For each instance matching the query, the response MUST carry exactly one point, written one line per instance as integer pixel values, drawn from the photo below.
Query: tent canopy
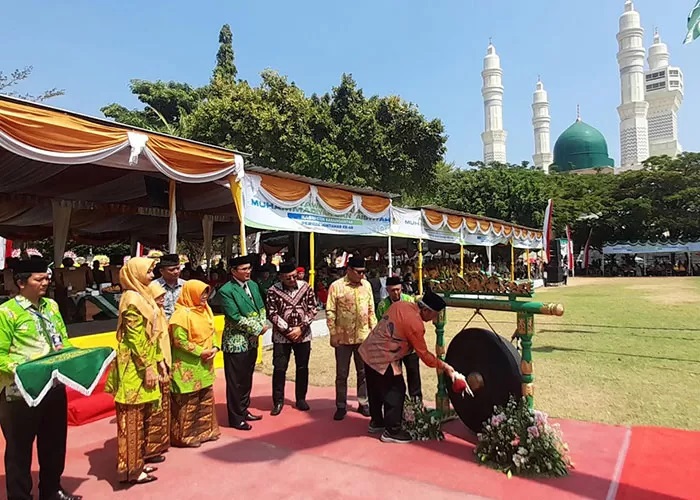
(478, 230)
(106, 180)
(627, 247)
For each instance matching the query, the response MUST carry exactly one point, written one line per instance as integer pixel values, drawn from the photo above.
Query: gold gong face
(475, 381)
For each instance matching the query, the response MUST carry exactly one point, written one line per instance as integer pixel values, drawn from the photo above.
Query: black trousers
(412, 364)
(48, 423)
(280, 361)
(238, 370)
(386, 395)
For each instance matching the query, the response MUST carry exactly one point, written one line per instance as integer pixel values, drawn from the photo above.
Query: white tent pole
(488, 256)
(389, 256)
(172, 226)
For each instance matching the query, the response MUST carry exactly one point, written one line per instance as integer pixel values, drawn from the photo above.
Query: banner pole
(312, 259)
(512, 261)
(529, 267)
(420, 267)
(390, 257)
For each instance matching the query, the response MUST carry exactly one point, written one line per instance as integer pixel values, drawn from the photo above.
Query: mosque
(648, 110)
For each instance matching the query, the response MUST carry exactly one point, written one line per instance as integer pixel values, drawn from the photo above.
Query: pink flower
(497, 420)
(540, 418)
(515, 441)
(533, 431)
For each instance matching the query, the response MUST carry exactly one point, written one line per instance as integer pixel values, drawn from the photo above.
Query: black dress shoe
(252, 418)
(277, 409)
(303, 405)
(340, 414)
(243, 426)
(63, 495)
(363, 410)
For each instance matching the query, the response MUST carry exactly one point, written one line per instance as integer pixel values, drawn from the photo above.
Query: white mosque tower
(540, 121)
(664, 93)
(634, 133)
(494, 137)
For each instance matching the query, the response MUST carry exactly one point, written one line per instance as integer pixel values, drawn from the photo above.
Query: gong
(478, 351)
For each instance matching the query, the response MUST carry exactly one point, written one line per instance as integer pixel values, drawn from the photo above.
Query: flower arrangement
(70, 255)
(31, 252)
(420, 423)
(518, 440)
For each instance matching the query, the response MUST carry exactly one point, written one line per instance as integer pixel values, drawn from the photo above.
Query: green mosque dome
(581, 147)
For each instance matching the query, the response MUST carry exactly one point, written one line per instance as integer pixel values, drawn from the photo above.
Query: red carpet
(661, 464)
(308, 456)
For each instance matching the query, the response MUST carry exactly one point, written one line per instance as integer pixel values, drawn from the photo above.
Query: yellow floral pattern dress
(189, 372)
(135, 353)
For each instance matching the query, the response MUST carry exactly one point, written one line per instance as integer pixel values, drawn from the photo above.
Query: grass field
(626, 351)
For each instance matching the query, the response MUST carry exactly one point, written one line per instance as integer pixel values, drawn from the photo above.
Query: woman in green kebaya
(192, 335)
(134, 376)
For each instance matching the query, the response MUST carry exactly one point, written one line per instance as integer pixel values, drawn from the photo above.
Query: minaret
(540, 121)
(494, 137)
(634, 133)
(664, 93)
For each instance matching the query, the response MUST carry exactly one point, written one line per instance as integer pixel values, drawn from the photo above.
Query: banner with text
(309, 216)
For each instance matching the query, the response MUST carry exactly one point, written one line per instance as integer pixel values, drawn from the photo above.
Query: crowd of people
(163, 375)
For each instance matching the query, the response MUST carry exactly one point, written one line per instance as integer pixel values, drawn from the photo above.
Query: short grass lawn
(626, 351)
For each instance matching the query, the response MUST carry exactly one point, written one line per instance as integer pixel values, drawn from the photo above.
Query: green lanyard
(47, 327)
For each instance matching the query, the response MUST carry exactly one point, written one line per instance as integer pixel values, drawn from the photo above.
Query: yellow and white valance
(52, 136)
(289, 193)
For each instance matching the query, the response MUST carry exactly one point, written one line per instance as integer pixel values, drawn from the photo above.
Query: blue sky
(429, 53)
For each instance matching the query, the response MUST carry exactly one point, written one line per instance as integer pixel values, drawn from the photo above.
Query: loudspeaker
(555, 273)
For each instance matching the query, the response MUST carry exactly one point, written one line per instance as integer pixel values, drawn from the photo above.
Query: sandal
(144, 478)
(150, 469)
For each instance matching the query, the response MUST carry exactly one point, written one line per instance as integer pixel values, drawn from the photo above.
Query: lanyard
(46, 323)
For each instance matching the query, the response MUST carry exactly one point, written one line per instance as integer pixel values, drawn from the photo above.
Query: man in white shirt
(169, 267)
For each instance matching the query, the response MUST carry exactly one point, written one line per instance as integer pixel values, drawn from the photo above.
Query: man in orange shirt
(399, 331)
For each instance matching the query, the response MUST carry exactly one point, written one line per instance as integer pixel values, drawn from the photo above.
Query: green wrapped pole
(525, 330)
(442, 398)
(506, 305)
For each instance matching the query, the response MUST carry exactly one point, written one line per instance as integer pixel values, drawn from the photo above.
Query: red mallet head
(459, 385)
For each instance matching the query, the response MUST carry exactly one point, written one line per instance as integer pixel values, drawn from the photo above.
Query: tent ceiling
(108, 202)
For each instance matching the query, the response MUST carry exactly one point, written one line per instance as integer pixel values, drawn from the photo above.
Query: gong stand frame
(524, 332)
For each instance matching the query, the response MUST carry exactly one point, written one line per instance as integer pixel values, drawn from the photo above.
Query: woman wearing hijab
(158, 438)
(192, 336)
(134, 376)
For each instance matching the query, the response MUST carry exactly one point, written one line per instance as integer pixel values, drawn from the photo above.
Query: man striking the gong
(400, 330)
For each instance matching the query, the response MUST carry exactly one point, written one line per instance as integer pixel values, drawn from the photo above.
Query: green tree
(225, 67)
(166, 103)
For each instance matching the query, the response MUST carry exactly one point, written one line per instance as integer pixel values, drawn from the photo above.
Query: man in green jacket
(411, 362)
(244, 323)
(31, 327)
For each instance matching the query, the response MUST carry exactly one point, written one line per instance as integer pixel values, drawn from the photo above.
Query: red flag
(569, 249)
(547, 231)
(587, 251)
